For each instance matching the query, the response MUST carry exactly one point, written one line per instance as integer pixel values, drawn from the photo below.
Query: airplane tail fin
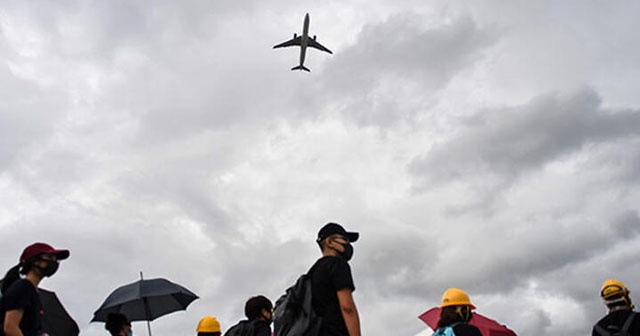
(301, 67)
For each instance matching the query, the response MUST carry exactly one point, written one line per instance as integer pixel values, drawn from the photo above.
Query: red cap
(42, 248)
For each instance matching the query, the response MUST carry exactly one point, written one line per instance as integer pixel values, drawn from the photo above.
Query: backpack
(614, 330)
(293, 314)
(243, 328)
(446, 331)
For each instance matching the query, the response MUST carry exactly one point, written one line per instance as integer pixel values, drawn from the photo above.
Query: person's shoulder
(21, 286)
(618, 318)
(331, 263)
(261, 328)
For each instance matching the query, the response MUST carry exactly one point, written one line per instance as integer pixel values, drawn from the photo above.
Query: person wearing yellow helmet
(209, 326)
(455, 313)
(621, 318)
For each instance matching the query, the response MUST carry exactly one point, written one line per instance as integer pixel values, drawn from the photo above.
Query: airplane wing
(293, 42)
(313, 43)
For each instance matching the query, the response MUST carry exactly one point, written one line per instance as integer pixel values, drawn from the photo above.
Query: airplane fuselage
(304, 39)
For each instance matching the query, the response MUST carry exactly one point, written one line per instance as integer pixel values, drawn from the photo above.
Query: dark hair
(254, 306)
(321, 244)
(449, 316)
(10, 277)
(115, 322)
(13, 274)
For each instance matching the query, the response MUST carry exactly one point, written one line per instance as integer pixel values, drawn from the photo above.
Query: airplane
(303, 41)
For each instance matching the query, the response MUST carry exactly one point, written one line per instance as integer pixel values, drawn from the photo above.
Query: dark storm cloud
(626, 225)
(398, 264)
(540, 252)
(512, 141)
(399, 61)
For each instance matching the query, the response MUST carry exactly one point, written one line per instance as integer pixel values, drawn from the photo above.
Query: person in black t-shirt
(332, 284)
(20, 307)
(456, 313)
(616, 297)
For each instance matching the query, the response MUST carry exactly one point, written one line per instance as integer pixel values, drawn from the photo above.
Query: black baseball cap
(333, 228)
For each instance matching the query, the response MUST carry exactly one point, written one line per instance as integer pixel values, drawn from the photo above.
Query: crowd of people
(332, 287)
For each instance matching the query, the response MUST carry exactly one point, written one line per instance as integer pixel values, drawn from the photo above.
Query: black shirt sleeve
(17, 296)
(341, 277)
(23, 295)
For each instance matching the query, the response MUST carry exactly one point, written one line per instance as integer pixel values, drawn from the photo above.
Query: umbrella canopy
(145, 300)
(56, 320)
(487, 326)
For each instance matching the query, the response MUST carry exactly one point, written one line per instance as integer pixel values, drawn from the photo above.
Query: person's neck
(616, 308)
(34, 278)
(329, 253)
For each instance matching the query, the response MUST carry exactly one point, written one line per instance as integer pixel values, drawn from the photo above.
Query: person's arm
(349, 311)
(12, 320)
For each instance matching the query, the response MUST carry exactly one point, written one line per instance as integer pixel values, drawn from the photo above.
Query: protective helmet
(208, 324)
(613, 287)
(456, 297)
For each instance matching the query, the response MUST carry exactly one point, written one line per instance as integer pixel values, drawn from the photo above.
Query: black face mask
(51, 268)
(348, 251)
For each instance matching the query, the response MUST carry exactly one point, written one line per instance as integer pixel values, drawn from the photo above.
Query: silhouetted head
(258, 307)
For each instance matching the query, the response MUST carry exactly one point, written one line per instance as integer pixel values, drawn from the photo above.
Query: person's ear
(331, 242)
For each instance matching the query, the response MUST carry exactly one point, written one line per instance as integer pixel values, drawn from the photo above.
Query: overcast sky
(488, 145)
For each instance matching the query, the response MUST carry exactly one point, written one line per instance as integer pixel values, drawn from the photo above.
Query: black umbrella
(145, 300)
(56, 320)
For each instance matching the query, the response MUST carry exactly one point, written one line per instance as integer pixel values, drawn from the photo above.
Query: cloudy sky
(488, 145)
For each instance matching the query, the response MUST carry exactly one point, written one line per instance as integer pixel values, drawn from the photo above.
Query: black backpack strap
(627, 323)
(602, 331)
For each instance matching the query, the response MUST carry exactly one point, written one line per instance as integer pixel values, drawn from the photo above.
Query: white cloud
(484, 145)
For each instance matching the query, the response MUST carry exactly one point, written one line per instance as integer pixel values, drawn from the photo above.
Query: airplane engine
(314, 37)
(295, 35)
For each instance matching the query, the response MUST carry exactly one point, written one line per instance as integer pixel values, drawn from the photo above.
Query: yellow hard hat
(456, 297)
(613, 287)
(208, 324)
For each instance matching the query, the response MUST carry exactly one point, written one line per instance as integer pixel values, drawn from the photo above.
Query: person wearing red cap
(332, 283)
(20, 307)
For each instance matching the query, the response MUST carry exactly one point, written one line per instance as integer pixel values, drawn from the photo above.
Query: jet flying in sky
(303, 41)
